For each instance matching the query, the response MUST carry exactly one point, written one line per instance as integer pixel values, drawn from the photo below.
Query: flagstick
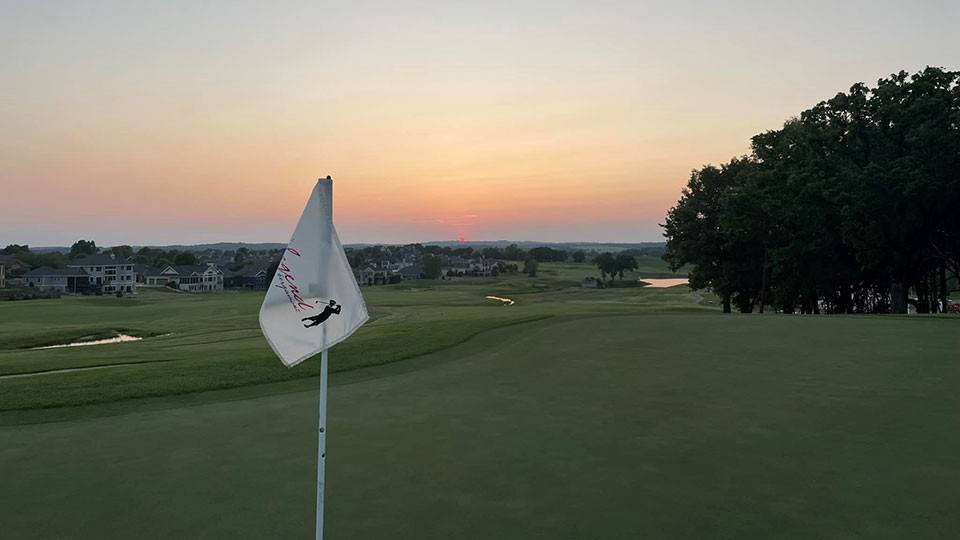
(322, 436)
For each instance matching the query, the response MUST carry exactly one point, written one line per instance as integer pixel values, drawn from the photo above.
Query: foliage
(13, 249)
(432, 266)
(35, 260)
(615, 265)
(185, 258)
(849, 208)
(548, 254)
(530, 267)
(81, 248)
(122, 252)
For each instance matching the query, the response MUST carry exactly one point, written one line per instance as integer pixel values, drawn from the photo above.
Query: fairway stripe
(68, 370)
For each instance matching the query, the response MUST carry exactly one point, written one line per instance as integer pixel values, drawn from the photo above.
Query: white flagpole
(322, 436)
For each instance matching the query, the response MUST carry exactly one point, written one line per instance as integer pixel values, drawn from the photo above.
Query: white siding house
(191, 278)
(107, 272)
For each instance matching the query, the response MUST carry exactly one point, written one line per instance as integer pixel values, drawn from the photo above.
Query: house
(140, 272)
(12, 267)
(106, 272)
(187, 277)
(371, 276)
(248, 277)
(413, 271)
(590, 282)
(157, 277)
(59, 279)
(199, 277)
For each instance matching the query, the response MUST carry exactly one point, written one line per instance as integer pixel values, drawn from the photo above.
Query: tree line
(851, 207)
(146, 255)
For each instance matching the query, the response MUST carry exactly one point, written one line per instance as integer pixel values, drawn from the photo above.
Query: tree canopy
(81, 248)
(854, 206)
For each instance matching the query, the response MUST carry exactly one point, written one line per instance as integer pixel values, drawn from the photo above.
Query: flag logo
(332, 308)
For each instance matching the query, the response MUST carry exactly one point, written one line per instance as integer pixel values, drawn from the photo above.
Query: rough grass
(209, 342)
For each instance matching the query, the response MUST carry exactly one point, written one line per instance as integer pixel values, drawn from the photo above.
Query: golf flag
(313, 296)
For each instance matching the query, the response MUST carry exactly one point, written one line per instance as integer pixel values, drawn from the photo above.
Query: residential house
(187, 277)
(199, 277)
(106, 272)
(12, 268)
(371, 276)
(248, 277)
(140, 272)
(59, 279)
(157, 277)
(413, 271)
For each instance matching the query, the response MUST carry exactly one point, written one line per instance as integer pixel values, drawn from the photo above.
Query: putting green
(649, 426)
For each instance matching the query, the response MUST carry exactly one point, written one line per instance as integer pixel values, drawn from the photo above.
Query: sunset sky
(188, 122)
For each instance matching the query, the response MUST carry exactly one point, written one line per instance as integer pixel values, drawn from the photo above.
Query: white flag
(314, 295)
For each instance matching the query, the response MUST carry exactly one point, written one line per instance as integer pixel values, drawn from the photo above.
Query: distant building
(107, 273)
(249, 277)
(200, 277)
(191, 277)
(590, 282)
(371, 276)
(12, 266)
(413, 271)
(157, 277)
(60, 279)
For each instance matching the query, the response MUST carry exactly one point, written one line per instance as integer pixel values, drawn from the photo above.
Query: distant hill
(224, 246)
(567, 246)
(479, 244)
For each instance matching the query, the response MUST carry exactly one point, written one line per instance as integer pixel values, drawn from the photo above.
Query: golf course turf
(616, 413)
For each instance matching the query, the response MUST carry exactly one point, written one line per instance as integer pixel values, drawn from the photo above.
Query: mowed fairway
(623, 413)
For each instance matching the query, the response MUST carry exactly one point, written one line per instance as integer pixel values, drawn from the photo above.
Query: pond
(663, 283)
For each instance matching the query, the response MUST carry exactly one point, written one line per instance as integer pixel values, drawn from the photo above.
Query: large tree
(81, 248)
(850, 207)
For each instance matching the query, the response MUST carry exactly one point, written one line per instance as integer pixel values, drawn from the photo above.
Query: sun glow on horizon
(194, 123)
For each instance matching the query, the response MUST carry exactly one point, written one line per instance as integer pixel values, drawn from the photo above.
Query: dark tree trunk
(923, 304)
(726, 303)
(763, 281)
(942, 279)
(898, 298)
(844, 300)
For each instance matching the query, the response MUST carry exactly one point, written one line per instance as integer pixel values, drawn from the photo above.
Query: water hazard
(663, 283)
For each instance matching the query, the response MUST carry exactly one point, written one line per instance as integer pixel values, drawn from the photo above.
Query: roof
(152, 270)
(412, 270)
(187, 269)
(11, 261)
(46, 271)
(100, 259)
(248, 270)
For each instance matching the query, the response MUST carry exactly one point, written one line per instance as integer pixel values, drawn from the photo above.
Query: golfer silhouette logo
(333, 308)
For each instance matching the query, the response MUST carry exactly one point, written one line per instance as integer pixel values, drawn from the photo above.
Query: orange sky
(555, 121)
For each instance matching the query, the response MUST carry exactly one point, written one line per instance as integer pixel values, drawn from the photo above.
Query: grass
(209, 342)
(616, 413)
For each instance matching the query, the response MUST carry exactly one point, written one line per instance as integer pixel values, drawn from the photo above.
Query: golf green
(655, 425)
